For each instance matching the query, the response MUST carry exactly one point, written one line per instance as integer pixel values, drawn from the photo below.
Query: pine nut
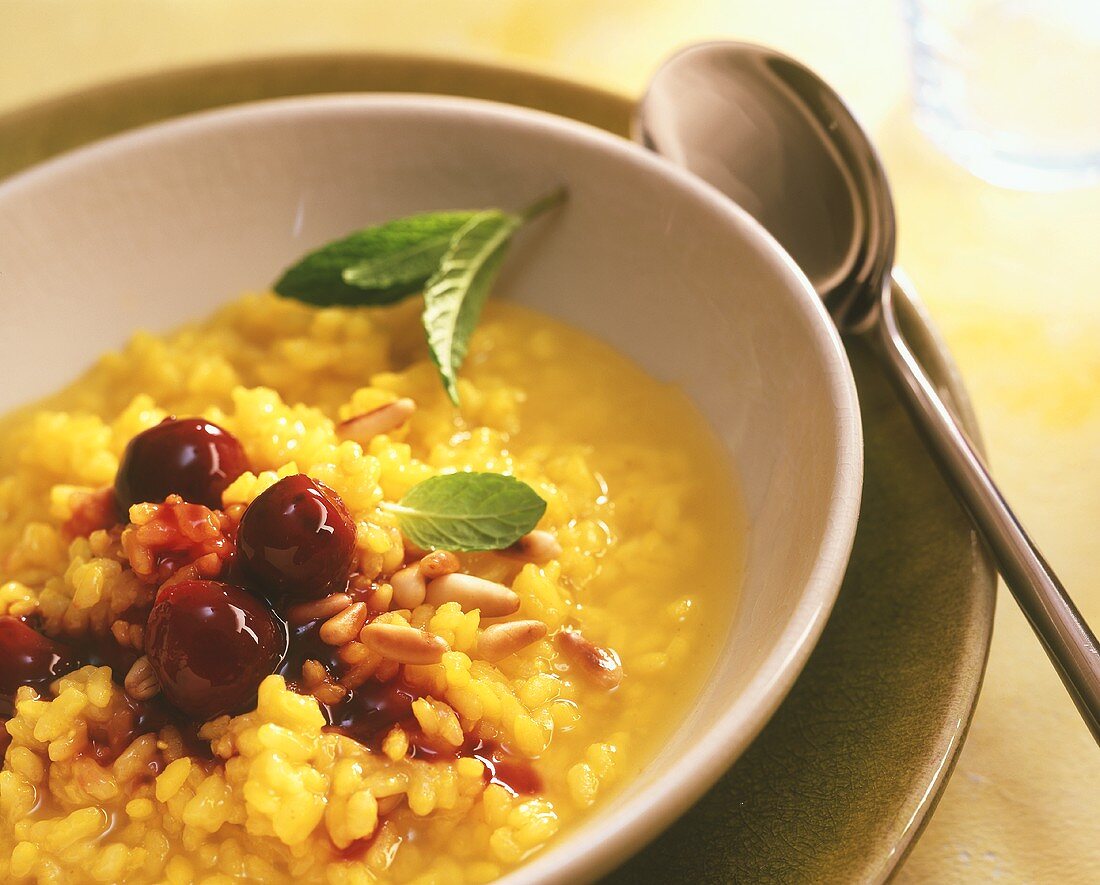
(409, 588)
(317, 681)
(304, 612)
(385, 419)
(141, 682)
(539, 546)
(345, 626)
(405, 645)
(330, 693)
(439, 563)
(600, 665)
(313, 674)
(500, 640)
(494, 600)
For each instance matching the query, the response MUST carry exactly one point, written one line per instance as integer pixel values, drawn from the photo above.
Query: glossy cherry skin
(296, 540)
(189, 457)
(29, 658)
(211, 645)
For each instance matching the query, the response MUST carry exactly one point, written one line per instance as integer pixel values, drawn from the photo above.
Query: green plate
(841, 781)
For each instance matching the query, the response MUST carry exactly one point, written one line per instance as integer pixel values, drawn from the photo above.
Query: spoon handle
(1069, 642)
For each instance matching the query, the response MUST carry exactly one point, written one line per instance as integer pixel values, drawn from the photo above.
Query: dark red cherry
(211, 645)
(296, 540)
(29, 658)
(189, 457)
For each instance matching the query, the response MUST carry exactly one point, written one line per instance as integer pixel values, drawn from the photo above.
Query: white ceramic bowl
(161, 225)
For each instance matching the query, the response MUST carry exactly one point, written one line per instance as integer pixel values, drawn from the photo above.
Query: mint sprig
(453, 257)
(468, 511)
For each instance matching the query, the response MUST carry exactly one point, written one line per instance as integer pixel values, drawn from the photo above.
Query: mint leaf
(399, 257)
(468, 511)
(456, 293)
(413, 264)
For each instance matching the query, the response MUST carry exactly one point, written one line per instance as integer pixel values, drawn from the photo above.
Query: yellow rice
(636, 496)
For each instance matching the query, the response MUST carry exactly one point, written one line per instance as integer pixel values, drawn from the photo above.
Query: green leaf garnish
(456, 293)
(453, 257)
(412, 265)
(468, 511)
(376, 265)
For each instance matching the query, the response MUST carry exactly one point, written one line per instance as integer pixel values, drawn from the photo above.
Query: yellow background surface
(1010, 278)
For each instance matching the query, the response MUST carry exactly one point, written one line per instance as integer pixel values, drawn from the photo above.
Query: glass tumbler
(1008, 88)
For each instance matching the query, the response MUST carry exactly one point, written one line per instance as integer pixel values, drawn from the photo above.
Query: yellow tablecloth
(1010, 279)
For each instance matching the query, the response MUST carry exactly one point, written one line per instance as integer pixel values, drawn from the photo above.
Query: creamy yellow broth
(638, 496)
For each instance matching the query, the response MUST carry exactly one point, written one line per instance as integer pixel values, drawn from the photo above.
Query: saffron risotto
(638, 498)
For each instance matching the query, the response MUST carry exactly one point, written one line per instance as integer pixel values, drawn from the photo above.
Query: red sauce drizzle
(29, 657)
(370, 711)
(516, 775)
(107, 741)
(304, 644)
(92, 511)
(104, 651)
(178, 535)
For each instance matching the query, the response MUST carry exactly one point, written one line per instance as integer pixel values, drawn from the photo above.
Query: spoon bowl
(792, 136)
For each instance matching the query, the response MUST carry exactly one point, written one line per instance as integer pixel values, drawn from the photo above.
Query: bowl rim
(588, 851)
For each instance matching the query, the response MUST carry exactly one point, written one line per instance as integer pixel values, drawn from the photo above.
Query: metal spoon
(769, 133)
